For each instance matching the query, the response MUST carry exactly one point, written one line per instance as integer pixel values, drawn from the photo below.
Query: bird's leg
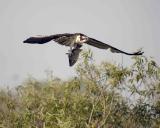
(69, 51)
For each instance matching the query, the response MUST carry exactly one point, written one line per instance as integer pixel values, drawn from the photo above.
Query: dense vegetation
(100, 96)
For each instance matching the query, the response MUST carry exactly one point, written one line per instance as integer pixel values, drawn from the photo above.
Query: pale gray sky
(125, 24)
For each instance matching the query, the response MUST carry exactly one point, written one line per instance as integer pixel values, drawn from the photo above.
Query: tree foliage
(99, 96)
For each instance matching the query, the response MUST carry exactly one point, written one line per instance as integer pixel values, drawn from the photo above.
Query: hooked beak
(84, 38)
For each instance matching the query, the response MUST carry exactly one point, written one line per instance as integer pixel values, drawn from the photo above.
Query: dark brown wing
(102, 45)
(73, 57)
(44, 39)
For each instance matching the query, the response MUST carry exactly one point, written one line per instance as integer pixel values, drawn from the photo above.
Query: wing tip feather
(139, 53)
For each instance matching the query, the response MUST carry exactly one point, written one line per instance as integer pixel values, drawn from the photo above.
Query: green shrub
(100, 96)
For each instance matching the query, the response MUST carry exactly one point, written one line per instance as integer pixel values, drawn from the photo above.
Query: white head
(81, 38)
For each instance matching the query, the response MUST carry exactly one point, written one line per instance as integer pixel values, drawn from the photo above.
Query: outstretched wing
(60, 38)
(102, 45)
(73, 57)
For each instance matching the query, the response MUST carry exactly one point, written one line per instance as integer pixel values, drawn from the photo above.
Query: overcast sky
(125, 24)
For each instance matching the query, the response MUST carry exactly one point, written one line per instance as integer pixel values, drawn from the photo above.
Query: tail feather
(73, 57)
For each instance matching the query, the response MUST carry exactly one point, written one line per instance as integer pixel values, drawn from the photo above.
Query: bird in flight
(75, 42)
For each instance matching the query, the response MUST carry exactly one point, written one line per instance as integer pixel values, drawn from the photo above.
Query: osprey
(75, 42)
